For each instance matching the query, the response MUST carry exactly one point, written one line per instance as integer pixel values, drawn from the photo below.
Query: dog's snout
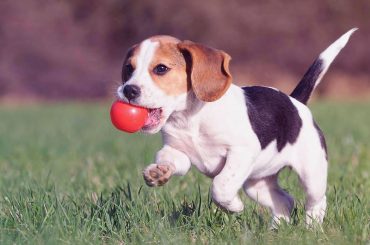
(131, 91)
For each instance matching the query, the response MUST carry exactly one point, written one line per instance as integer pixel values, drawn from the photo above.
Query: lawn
(68, 177)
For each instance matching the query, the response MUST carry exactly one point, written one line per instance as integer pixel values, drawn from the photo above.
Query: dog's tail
(318, 69)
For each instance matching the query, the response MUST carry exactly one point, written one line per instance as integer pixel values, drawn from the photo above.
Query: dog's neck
(189, 111)
(187, 108)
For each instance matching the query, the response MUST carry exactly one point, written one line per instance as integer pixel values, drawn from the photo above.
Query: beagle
(241, 137)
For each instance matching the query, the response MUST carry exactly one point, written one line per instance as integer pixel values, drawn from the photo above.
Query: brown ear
(209, 70)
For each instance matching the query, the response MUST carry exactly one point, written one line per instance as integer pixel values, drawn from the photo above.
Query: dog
(241, 137)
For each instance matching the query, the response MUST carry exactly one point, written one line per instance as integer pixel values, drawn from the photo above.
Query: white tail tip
(345, 37)
(332, 51)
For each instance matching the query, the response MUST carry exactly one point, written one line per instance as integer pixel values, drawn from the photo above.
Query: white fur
(151, 96)
(218, 139)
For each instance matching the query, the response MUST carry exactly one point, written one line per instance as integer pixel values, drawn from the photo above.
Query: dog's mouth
(154, 119)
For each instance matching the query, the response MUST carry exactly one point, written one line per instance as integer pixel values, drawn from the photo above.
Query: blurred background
(73, 49)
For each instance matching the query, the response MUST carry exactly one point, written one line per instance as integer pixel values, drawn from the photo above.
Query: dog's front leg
(168, 162)
(226, 184)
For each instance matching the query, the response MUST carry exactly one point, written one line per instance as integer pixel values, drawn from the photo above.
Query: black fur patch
(305, 87)
(273, 116)
(322, 139)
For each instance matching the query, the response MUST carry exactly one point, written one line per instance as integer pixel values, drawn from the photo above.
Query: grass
(67, 177)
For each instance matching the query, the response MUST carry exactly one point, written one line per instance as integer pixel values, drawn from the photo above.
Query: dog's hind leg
(313, 177)
(267, 192)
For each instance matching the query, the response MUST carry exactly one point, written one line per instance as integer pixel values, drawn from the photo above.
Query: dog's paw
(157, 174)
(235, 206)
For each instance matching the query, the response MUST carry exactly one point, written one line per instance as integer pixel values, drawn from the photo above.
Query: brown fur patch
(175, 81)
(210, 74)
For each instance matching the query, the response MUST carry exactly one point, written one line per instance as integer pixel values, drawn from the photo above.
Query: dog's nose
(131, 92)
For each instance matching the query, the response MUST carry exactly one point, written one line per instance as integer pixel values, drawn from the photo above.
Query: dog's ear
(208, 70)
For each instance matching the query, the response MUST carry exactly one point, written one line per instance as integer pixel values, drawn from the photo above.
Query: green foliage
(66, 176)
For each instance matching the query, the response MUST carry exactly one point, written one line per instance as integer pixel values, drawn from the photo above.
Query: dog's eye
(161, 69)
(127, 72)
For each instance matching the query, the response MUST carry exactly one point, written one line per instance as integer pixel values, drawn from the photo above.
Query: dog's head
(161, 71)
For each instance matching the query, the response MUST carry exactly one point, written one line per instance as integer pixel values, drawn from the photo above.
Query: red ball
(127, 117)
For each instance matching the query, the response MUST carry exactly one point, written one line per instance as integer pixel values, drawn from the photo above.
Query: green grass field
(68, 177)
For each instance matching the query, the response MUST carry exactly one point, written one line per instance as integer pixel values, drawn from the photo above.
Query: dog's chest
(206, 153)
